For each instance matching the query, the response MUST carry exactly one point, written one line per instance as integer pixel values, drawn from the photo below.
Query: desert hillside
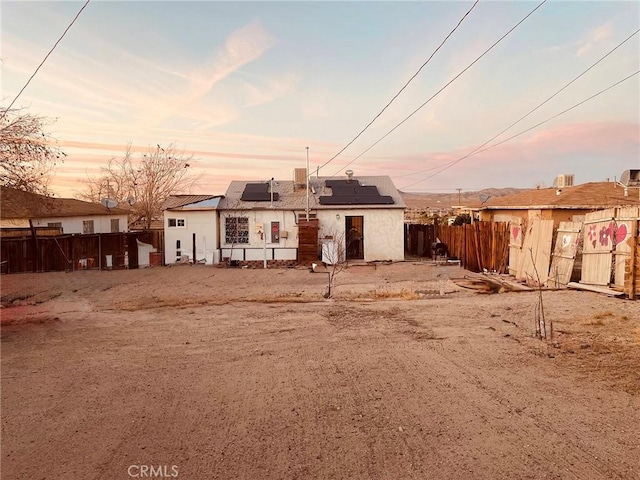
(433, 200)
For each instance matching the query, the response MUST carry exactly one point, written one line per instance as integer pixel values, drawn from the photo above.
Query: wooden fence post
(633, 261)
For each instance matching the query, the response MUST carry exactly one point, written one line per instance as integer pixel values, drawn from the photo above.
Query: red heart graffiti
(621, 233)
(515, 231)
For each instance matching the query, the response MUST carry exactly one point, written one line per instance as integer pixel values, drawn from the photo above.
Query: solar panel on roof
(258, 192)
(350, 192)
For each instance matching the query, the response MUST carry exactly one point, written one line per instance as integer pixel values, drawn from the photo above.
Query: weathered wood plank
(564, 254)
(595, 288)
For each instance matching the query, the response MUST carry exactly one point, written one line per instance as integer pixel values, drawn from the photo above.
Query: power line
(45, 59)
(451, 164)
(535, 108)
(448, 83)
(402, 89)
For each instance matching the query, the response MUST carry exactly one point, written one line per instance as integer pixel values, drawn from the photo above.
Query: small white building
(357, 218)
(191, 225)
(22, 210)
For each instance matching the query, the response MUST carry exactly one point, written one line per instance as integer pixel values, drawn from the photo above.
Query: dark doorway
(354, 226)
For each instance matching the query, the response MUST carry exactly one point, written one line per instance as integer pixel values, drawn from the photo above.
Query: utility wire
(402, 89)
(534, 109)
(447, 84)
(451, 164)
(44, 60)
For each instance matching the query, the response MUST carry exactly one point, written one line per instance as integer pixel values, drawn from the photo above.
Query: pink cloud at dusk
(549, 148)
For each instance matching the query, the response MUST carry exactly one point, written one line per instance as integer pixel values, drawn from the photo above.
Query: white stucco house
(191, 225)
(356, 217)
(20, 210)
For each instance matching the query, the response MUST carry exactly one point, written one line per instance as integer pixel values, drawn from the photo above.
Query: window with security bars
(236, 230)
(87, 226)
(115, 225)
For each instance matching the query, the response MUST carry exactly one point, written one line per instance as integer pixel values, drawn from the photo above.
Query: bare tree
(143, 183)
(28, 154)
(334, 258)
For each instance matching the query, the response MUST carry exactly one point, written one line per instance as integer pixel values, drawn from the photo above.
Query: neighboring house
(560, 204)
(24, 210)
(191, 221)
(357, 218)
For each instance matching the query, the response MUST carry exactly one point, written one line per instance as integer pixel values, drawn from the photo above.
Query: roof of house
(292, 197)
(173, 202)
(18, 204)
(583, 196)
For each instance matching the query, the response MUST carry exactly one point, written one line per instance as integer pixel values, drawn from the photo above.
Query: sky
(246, 87)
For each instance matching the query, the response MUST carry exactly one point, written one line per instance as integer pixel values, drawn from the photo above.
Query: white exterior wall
(284, 249)
(383, 231)
(71, 225)
(203, 223)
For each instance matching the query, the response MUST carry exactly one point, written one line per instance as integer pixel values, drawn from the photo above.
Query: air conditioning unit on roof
(630, 178)
(564, 180)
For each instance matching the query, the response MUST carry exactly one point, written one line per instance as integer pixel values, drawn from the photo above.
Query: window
(177, 222)
(87, 226)
(115, 225)
(54, 224)
(236, 230)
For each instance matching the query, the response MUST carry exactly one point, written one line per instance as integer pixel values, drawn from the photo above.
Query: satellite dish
(109, 203)
(484, 197)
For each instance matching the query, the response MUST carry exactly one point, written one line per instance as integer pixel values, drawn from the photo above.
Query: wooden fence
(75, 252)
(479, 246)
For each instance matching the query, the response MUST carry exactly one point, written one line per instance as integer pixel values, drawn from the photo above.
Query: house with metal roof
(328, 218)
(191, 229)
(22, 210)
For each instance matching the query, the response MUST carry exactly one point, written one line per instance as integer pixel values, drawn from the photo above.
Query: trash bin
(155, 259)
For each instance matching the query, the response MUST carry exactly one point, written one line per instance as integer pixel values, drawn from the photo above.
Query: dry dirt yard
(196, 372)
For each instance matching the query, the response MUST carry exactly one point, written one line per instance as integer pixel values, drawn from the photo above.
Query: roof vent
(349, 174)
(630, 178)
(564, 180)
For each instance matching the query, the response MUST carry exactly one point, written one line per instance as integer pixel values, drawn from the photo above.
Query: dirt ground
(197, 372)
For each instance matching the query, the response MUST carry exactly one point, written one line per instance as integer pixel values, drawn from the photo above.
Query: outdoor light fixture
(337, 216)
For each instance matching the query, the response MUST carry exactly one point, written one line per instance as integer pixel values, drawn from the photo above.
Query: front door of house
(354, 228)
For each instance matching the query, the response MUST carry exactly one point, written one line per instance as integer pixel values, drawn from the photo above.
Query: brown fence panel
(479, 246)
(54, 254)
(74, 252)
(17, 255)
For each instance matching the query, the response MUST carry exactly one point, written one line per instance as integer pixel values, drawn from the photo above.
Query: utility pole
(459, 201)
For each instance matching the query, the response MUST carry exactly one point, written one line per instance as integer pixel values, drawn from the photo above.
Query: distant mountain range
(447, 200)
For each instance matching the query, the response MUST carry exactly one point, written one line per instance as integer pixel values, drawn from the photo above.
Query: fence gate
(564, 254)
(515, 245)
